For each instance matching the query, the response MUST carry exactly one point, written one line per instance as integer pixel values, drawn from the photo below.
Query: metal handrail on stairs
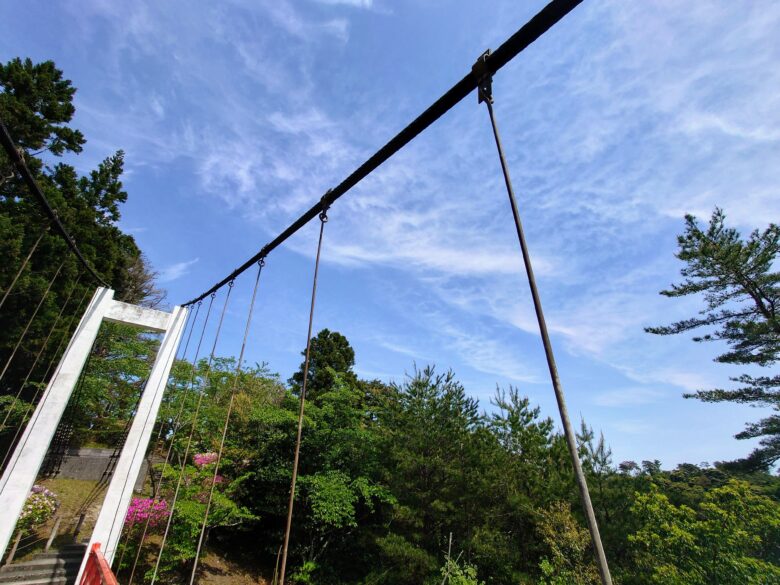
(97, 571)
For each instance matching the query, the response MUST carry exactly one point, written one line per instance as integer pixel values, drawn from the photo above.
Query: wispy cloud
(176, 271)
(623, 397)
(353, 3)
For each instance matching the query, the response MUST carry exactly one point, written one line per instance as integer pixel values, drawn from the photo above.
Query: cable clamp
(325, 203)
(261, 262)
(484, 78)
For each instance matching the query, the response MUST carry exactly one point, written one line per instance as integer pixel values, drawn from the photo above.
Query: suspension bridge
(184, 337)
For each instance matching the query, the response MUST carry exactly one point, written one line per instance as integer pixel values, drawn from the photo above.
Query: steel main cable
(260, 265)
(18, 161)
(195, 414)
(543, 21)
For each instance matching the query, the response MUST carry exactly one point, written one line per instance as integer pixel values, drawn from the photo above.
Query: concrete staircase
(58, 567)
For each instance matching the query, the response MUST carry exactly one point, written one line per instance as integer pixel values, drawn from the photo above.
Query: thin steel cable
(46, 396)
(39, 353)
(24, 264)
(291, 503)
(601, 559)
(175, 425)
(32, 318)
(65, 335)
(160, 389)
(260, 265)
(192, 433)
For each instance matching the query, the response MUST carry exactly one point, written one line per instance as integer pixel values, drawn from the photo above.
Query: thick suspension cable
(543, 21)
(25, 262)
(30, 321)
(38, 354)
(18, 161)
(192, 433)
(260, 265)
(296, 458)
(485, 95)
(175, 426)
(52, 361)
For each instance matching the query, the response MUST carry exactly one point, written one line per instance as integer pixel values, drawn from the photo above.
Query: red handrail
(97, 571)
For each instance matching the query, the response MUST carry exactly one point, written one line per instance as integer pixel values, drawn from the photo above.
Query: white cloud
(623, 397)
(634, 427)
(176, 271)
(353, 3)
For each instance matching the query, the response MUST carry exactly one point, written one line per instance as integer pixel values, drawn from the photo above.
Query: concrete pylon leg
(108, 527)
(22, 469)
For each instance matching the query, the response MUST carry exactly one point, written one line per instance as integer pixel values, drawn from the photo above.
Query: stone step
(44, 575)
(52, 554)
(55, 567)
(46, 581)
(38, 563)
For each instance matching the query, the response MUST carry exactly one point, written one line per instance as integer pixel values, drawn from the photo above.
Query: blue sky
(236, 116)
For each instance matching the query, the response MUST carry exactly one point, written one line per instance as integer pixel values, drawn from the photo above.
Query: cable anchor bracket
(325, 203)
(484, 78)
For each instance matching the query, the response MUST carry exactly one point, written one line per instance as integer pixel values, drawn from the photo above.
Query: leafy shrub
(39, 507)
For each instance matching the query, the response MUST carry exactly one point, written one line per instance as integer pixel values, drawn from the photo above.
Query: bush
(41, 505)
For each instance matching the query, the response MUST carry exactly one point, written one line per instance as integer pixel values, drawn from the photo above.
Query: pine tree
(742, 296)
(36, 106)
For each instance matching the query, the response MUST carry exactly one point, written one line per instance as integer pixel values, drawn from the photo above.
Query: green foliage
(739, 288)
(455, 573)
(731, 538)
(388, 474)
(570, 560)
(36, 105)
(741, 294)
(330, 354)
(113, 380)
(40, 505)
(305, 573)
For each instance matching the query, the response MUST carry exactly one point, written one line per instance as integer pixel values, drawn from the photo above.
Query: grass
(73, 494)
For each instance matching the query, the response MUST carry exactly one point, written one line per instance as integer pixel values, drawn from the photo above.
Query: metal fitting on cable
(325, 203)
(484, 78)
(261, 262)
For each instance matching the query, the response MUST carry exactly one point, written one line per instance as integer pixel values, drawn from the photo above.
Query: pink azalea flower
(203, 459)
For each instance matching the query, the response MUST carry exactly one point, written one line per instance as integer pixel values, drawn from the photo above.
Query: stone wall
(90, 464)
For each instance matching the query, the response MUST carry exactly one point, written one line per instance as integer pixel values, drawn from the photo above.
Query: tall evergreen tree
(330, 354)
(741, 292)
(36, 105)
